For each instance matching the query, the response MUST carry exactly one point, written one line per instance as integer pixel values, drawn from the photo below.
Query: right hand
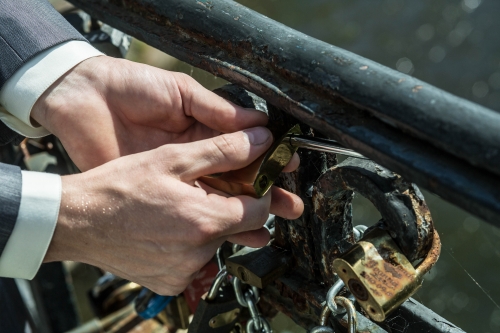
(143, 218)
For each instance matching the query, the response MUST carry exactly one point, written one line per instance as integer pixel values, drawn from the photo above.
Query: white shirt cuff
(22, 90)
(36, 221)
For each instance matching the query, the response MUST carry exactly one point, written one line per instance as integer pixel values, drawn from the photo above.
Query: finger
(213, 110)
(293, 164)
(228, 216)
(219, 154)
(210, 189)
(253, 238)
(286, 204)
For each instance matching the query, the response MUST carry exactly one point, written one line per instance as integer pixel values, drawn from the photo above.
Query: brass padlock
(258, 177)
(379, 275)
(258, 267)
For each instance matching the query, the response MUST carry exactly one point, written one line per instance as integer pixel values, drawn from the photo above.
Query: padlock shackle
(216, 284)
(432, 256)
(401, 204)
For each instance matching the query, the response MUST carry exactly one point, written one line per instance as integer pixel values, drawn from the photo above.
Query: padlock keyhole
(358, 289)
(263, 181)
(242, 274)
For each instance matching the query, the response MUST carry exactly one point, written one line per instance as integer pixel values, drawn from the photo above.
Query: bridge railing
(443, 143)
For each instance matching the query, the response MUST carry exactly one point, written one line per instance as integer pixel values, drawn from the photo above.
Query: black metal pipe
(412, 316)
(431, 137)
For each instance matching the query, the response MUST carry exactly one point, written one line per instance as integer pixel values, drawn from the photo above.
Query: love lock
(378, 269)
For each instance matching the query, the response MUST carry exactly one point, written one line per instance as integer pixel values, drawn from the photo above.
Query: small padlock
(258, 177)
(218, 309)
(379, 275)
(258, 267)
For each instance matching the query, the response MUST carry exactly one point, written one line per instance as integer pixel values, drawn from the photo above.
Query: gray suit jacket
(27, 27)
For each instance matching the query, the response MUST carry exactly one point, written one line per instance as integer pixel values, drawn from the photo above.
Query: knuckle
(176, 162)
(169, 286)
(203, 234)
(226, 146)
(187, 86)
(161, 289)
(177, 289)
(184, 78)
(261, 218)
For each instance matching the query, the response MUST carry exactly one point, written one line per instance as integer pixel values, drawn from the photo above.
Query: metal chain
(249, 299)
(330, 297)
(352, 319)
(325, 315)
(216, 284)
(358, 232)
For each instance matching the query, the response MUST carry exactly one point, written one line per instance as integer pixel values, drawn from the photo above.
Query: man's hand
(105, 108)
(142, 216)
(144, 136)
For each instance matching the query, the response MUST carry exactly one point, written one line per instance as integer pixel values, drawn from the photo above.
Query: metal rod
(324, 145)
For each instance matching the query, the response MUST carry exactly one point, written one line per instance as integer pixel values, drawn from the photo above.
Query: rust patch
(392, 270)
(299, 302)
(416, 89)
(207, 4)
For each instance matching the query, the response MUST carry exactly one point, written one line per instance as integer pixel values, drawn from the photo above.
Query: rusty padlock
(378, 269)
(379, 275)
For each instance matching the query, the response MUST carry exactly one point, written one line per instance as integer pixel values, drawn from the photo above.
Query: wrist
(70, 234)
(60, 100)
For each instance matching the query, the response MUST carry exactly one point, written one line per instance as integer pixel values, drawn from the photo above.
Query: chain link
(336, 305)
(249, 299)
(217, 283)
(352, 319)
(330, 297)
(266, 326)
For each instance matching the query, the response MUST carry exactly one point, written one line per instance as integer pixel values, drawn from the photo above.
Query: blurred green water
(454, 45)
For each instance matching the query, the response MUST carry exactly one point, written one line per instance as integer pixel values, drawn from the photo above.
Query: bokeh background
(452, 44)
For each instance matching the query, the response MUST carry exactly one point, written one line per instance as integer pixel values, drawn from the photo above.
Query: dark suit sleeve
(28, 27)
(10, 199)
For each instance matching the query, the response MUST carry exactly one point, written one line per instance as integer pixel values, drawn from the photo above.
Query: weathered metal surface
(302, 301)
(379, 275)
(400, 202)
(424, 134)
(408, 318)
(258, 267)
(325, 229)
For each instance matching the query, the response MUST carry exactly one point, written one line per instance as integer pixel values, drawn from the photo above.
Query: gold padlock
(379, 275)
(258, 177)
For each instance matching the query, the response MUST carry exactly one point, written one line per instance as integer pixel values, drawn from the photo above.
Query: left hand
(105, 108)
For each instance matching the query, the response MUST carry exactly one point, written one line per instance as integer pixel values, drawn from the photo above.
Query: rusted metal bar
(437, 140)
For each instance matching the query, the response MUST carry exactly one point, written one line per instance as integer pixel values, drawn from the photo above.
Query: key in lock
(379, 275)
(258, 177)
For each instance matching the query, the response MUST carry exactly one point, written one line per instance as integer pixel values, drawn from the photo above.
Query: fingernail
(258, 135)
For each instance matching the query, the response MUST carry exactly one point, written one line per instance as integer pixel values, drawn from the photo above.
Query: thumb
(222, 153)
